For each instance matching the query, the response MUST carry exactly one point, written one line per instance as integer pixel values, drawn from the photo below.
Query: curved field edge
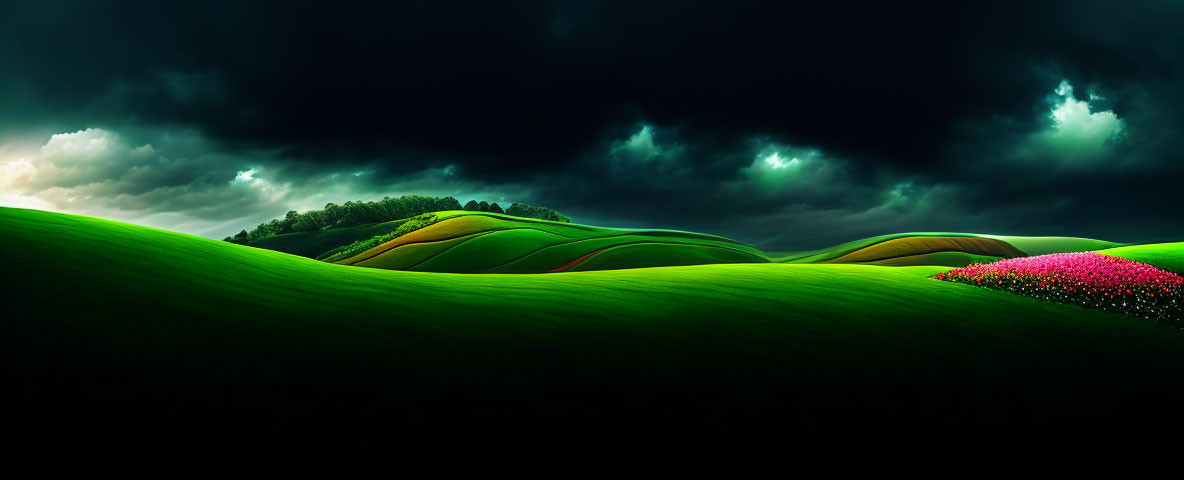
(1166, 256)
(437, 231)
(328, 244)
(322, 243)
(489, 249)
(412, 254)
(520, 249)
(1045, 245)
(566, 253)
(306, 243)
(1026, 245)
(187, 317)
(506, 244)
(919, 245)
(646, 254)
(942, 259)
(589, 228)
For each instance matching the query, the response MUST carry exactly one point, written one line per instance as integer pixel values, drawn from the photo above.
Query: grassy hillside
(947, 259)
(941, 248)
(841, 249)
(1167, 256)
(113, 322)
(922, 245)
(316, 244)
(475, 242)
(1046, 245)
(465, 242)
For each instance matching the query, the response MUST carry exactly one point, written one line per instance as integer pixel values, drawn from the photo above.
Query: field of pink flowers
(1088, 279)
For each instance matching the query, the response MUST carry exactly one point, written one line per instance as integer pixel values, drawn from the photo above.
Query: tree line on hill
(528, 211)
(517, 210)
(352, 214)
(484, 206)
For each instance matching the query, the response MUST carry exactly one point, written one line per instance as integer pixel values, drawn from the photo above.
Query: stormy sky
(786, 125)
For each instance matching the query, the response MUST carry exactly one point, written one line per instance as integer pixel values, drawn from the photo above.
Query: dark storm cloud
(760, 189)
(920, 116)
(487, 77)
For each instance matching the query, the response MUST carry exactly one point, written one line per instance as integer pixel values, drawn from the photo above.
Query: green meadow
(482, 242)
(106, 313)
(1167, 256)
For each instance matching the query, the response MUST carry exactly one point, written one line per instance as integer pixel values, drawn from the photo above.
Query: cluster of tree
(542, 213)
(484, 206)
(517, 210)
(352, 214)
(408, 226)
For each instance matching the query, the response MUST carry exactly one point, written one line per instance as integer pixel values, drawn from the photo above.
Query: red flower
(1077, 277)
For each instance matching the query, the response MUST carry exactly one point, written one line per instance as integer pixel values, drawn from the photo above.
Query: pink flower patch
(1088, 279)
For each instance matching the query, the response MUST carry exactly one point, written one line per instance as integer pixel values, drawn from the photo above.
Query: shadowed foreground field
(114, 323)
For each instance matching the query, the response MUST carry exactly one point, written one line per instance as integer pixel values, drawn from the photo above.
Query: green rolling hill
(1167, 256)
(950, 249)
(106, 317)
(1046, 245)
(316, 244)
(491, 243)
(474, 242)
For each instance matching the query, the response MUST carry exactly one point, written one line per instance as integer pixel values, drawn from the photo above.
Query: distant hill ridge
(952, 249)
(437, 234)
(469, 242)
(459, 241)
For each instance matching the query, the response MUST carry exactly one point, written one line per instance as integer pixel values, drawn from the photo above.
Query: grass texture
(108, 317)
